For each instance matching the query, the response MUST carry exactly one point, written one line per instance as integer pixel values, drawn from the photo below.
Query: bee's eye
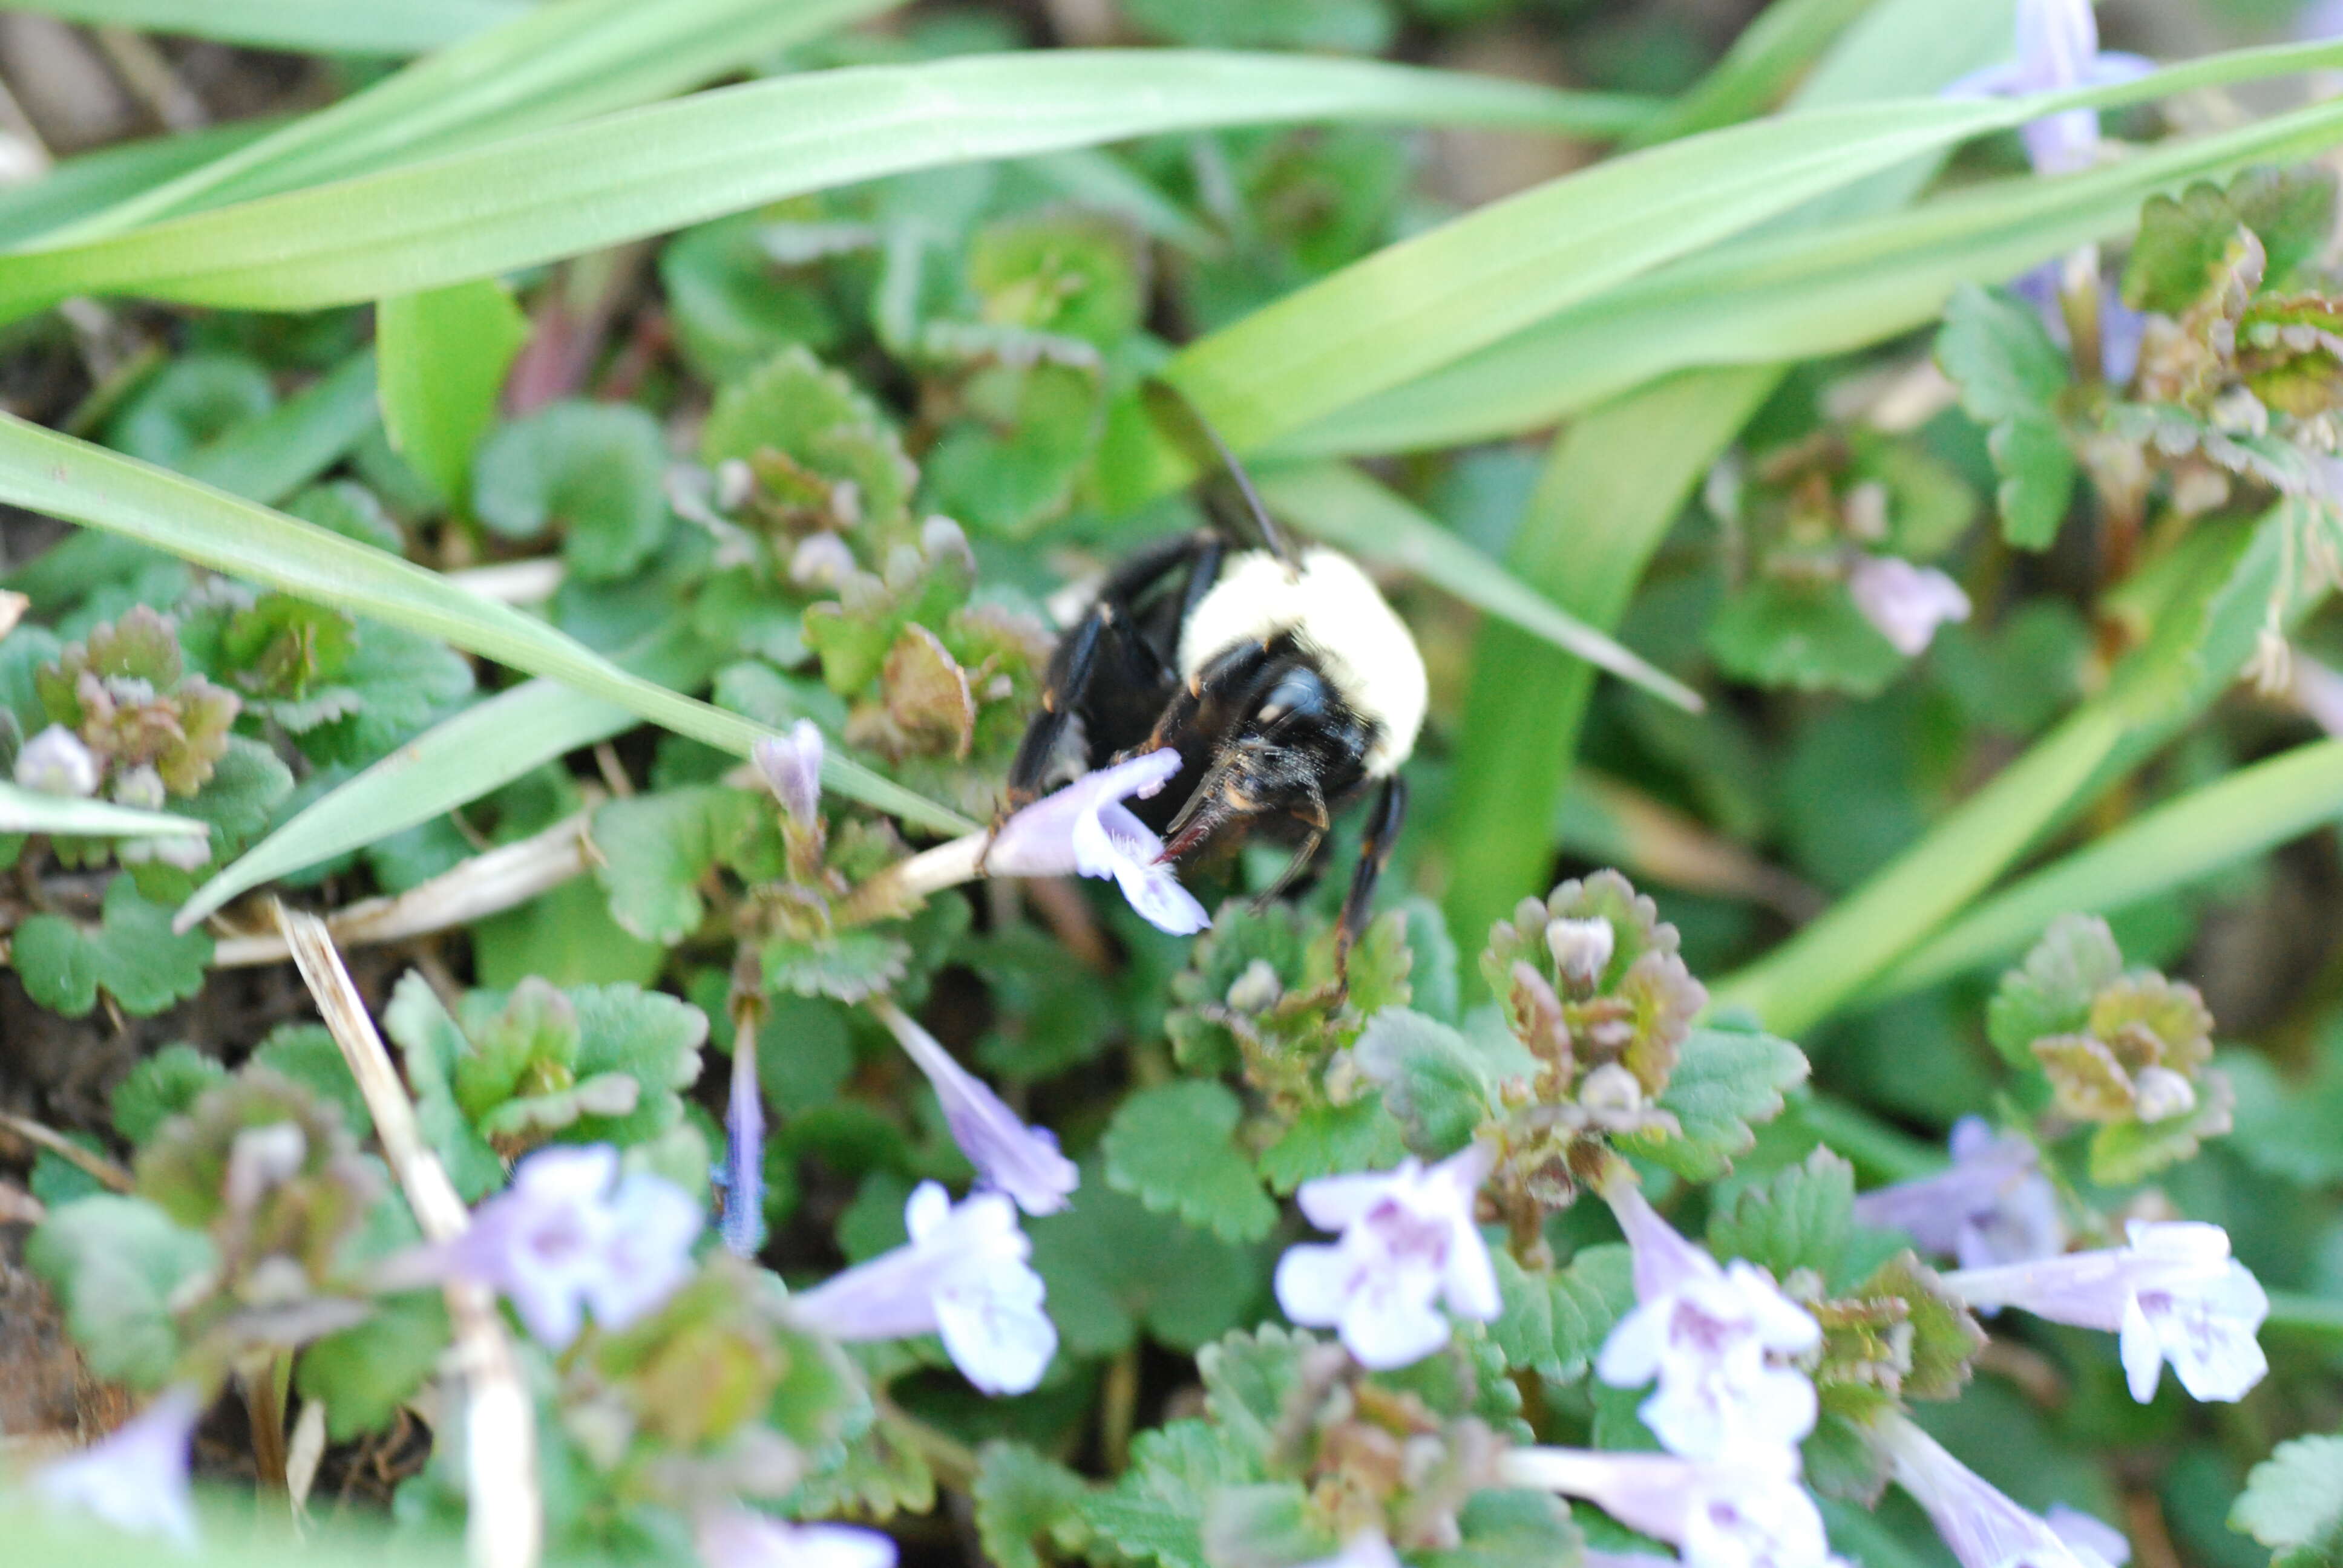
(1297, 691)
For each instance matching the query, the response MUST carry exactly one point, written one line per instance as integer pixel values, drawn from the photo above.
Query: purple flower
(791, 765)
(1994, 1206)
(136, 1478)
(2122, 329)
(1903, 602)
(2320, 19)
(1983, 1528)
(560, 1240)
(743, 1226)
(2087, 1535)
(2174, 1294)
(733, 1537)
(1408, 1238)
(56, 763)
(1009, 1156)
(1085, 827)
(2057, 49)
(1747, 1513)
(962, 1276)
(1718, 1342)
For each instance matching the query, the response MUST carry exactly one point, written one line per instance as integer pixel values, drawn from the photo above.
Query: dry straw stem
(506, 1526)
(97, 1167)
(907, 882)
(482, 886)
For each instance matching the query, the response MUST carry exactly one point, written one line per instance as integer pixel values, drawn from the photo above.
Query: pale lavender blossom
(2087, 1535)
(791, 765)
(1719, 1342)
(1085, 827)
(136, 1478)
(2320, 19)
(1009, 1156)
(1983, 1528)
(56, 763)
(963, 1275)
(1994, 1206)
(561, 1239)
(2122, 329)
(1367, 1549)
(1749, 1511)
(2057, 49)
(1906, 603)
(2174, 1294)
(1407, 1240)
(735, 1537)
(743, 1224)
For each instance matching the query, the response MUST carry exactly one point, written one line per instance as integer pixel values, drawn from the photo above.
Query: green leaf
(133, 955)
(1330, 1139)
(2293, 1503)
(1171, 1147)
(296, 27)
(1803, 1219)
(247, 785)
(305, 1053)
(162, 1086)
(351, 510)
(267, 458)
(1113, 1268)
(653, 1039)
(2291, 211)
(1806, 635)
(1555, 1321)
(24, 810)
(1998, 353)
(881, 1472)
(2181, 243)
(849, 965)
(191, 401)
(1024, 1504)
(492, 209)
(116, 1263)
(1727, 1082)
(432, 1045)
(363, 1374)
(2124, 1152)
(2051, 992)
(401, 682)
(655, 849)
(443, 357)
(1439, 1084)
(816, 418)
(596, 471)
(2286, 1128)
(68, 478)
(1155, 1512)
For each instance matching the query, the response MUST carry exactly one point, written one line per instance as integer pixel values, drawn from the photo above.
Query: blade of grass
(2221, 583)
(448, 766)
(2181, 841)
(270, 457)
(553, 63)
(1830, 289)
(443, 358)
(24, 810)
(645, 171)
(1765, 61)
(1344, 506)
(296, 27)
(78, 187)
(61, 477)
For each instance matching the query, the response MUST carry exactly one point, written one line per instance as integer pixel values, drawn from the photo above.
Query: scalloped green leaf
(132, 955)
(595, 471)
(1172, 1148)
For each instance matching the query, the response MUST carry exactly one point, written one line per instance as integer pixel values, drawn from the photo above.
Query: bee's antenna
(1185, 424)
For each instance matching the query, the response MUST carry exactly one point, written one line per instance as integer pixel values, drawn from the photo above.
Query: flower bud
(1582, 949)
(56, 763)
(2160, 1094)
(1611, 1090)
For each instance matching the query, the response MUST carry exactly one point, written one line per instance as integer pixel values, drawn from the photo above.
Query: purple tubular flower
(1983, 1528)
(791, 765)
(1009, 1156)
(1746, 1512)
(2174, 1294)
(136, 1478)
(1085, 827)
(734, 1537)
(1407, 1240)
(1994, 1206)
(963, 1275)
(1717, 1341)
(1906, 603)
(560, 1240)
(743, 1226)
(2057, 49)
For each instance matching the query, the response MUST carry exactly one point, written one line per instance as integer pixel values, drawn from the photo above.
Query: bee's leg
(1294, 868)
(1383, 821)
(1105, 637)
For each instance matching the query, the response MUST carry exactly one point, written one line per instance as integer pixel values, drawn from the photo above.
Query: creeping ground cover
(667, 898)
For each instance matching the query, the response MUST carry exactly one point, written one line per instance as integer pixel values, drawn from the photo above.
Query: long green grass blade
(1794, 295)
(1344, 506)
(2222, 582)
(1765, 61)
(297, 26)
(552, 64)
(61, 477)
(2179, 842)
(450, 765)
(276, 454)
(443, 358)
(92, 182)
(24, 810)
(646, 171)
